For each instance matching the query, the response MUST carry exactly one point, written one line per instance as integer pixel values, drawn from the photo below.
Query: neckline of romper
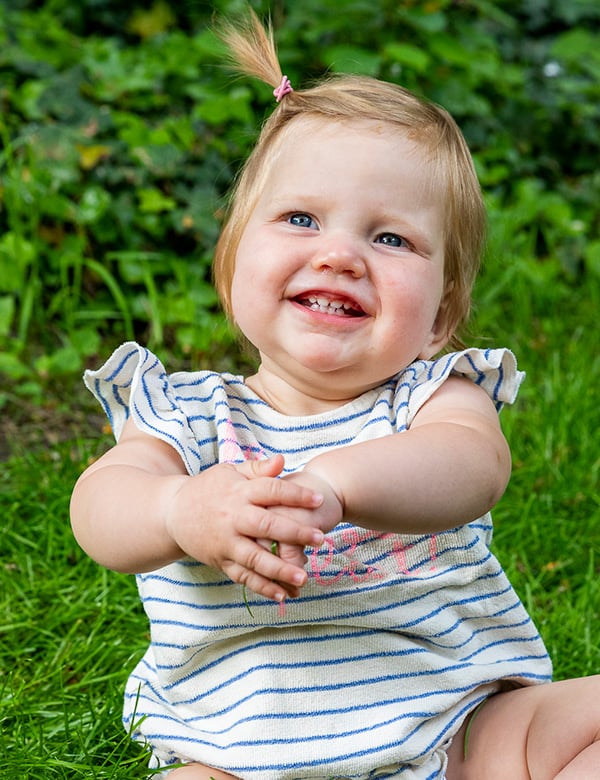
(263, 410)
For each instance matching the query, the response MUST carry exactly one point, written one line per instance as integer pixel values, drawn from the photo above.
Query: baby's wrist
(320, 480)
(171, 507)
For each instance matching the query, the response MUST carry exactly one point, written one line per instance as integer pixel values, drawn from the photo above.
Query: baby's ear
(443, 326)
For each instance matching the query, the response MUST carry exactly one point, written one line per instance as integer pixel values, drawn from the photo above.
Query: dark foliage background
(121, 131)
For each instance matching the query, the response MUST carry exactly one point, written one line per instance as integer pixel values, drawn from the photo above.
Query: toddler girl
(312, 541)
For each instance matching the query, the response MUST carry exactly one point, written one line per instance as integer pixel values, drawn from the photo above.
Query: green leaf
(592, 257)
(152, 201)
(408, 55)
(217, 108)
(425, 18)
(575, 45)
(65, 360)
(155, 20)
(352, 59)
(7, 313)
(16, 254)
(94, 203)
(11, 366)
(27, 98)
(86, 341)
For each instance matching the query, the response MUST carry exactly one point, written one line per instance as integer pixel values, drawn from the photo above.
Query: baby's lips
(328, 298)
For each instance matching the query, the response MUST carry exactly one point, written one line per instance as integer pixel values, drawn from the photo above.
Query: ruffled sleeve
(494, 370)
(133, 382)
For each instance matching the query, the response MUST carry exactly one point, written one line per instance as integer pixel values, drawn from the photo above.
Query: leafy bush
(121, 132)
(113, 169)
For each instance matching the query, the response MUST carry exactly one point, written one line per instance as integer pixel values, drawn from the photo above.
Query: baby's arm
(137, 509)
(449, 468)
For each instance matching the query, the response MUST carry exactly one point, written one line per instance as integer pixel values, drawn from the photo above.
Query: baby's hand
(325, 516)
(217, 516)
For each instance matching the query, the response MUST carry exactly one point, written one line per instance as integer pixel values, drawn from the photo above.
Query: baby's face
(339, 274)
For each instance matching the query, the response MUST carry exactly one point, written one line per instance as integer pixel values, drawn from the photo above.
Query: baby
(312, 541)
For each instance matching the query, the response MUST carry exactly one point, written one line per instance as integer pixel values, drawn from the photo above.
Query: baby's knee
(510, 734)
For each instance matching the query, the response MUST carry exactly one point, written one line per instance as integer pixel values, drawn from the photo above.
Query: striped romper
(392, 642)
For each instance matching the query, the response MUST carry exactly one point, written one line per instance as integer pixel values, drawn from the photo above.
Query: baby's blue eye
(302, 220)
(391, 239)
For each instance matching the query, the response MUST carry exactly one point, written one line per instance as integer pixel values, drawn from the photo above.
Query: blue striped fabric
(394, 639)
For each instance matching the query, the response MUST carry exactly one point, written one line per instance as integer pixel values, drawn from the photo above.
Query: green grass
(547, 526)
(70, 631)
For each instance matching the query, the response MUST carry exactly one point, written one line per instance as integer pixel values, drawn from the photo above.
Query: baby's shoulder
(493, 370)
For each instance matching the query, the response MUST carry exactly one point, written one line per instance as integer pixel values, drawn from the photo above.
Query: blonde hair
(354, 98)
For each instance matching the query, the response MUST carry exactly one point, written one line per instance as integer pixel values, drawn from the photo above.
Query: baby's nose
(339, 254)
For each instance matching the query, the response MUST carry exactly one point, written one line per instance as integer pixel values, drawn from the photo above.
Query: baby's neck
(291, 399)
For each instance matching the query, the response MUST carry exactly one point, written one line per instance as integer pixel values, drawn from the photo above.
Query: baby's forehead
(307, 126)
(309, 131)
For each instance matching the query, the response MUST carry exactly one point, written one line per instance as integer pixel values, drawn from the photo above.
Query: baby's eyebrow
(398, 222)
(302, 201)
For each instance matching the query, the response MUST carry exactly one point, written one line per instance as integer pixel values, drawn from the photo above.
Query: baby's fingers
(288, 553)
(270, 467)
(273, 526)
(270, 492)
(272, 579)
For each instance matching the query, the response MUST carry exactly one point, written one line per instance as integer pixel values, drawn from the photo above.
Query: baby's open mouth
(321, 303)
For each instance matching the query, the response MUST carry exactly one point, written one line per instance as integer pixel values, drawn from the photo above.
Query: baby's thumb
(270, 467)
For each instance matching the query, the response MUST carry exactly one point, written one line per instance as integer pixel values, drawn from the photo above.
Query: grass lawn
(70, 631)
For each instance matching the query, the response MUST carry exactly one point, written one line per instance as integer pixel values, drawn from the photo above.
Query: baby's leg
(545, 732)
(198, 772)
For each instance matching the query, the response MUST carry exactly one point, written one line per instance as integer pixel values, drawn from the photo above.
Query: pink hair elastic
(283, 89)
